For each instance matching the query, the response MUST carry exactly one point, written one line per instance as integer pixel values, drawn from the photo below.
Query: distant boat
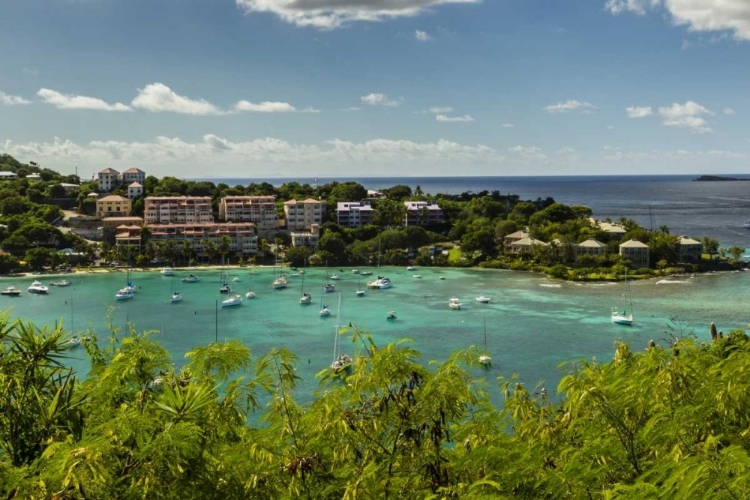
(454, 303)
(417, 276)
(235, 279)
(484, 359)
(623, 318)
(11, 291)
(329, 287)
(224, 287)
(250, 294)
(280, 281)
(305, 298)
(38, 288)
(167, 271)
(232, 301)
(190, 279)
(411, 268)
(355, 271)
(61, 283)
(391, 315)
(746, 224)
(335, 277)
(341, 361)
(176, 297)
(483, 299)
(124, 294)
(365, 273)
(73, 341)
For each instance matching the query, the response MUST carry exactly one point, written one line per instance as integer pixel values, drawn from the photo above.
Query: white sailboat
(341, 362)
(280, 281)
(454, 303)
(250, 294)
(176, 296)
(484, 359)
(624, 318)
(324, 309)
(305, 298)
(167, 271)
(381, 282)
(231, 301)
(224, 287)
(190, 279)
(360, 291)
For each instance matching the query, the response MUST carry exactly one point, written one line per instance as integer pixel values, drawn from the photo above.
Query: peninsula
(719, 178)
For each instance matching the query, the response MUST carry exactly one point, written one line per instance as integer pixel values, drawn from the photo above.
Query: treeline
(668, 421)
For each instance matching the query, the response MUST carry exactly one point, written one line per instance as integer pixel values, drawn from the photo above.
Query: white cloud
(376, 99)
(422, 36)
(438, 110)
(729, 111)
(239, 158)
(528, 152)
(331, 14)
(697, 15)
(686, 115)
(568, 106)
(11, 100)
(157, 97)
(565, 150)
(352, 108)
(271, 107)
(507, 125)
(66, 101)
(639, 112)
(674, 155)
(445, 118)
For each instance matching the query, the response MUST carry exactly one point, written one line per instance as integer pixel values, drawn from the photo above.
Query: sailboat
(224, 288)
(360, 291)
(176, 296)
(280, 281)
(623, 318)
(382, 282)
(305, 298)
(484, 359)
(128, 291)
(250, 294)
(341, 362)
(324, 309)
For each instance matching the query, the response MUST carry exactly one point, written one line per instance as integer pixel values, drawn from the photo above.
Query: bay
(533, 323)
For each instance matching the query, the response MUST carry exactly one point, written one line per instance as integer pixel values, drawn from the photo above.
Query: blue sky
(303, 88)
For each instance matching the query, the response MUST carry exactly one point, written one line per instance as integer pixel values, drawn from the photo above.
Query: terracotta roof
(313, 200)
(133, 170)
(109, 171)
(114, 197)
(135, 184)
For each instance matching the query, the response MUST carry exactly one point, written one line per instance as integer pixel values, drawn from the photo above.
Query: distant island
(714, 178)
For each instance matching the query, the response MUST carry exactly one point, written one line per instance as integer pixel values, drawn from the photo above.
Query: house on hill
(636, 252)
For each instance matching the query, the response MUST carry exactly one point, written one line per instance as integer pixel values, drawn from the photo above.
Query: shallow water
(533, 323)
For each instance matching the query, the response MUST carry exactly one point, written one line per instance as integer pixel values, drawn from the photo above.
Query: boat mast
(336, 334)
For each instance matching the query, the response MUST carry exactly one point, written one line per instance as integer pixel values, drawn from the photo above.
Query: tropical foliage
(667, 422)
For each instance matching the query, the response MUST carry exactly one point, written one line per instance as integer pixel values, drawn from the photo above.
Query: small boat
(325, 311)
(382, 283)
(355, 271)
(442, 277)
(330, 287)
(225, 288)
(11, 291)
(38, 288)
(454, 303)
(305, 299)
(280, 282)
(235, 279)
(231, 301)
(190, 279)
(341, 361)
(73, 341)
(250, 294)
(746, 224)
(417, 276)
(411, 268)
(176, 297)
(391, 315)
(623, 318)
(482, 299)
(360, 293)
(365, 273)
(167, 271)
(335, 277)
(61, 283)
(484, 359)
(124, 294)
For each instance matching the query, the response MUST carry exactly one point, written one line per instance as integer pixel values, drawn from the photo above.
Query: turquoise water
(532, 323)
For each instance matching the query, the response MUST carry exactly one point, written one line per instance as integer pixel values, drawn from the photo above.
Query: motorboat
(124, 294)
(382, 283)
(305, 299)
(231, 301)
(167, 271)
(325, 311)
(61, 283)
(482, 299)
(411, 268)
(417, 276)
(455, 303)
(360, 293)
(73, 341)
(11, 291)
(330, 287)
(235, 279)
(190, 279)
(38, 288)
(176, 297)
(391, 315)
(335, 277)
(225, 288)
(250, 294)
(280, 282)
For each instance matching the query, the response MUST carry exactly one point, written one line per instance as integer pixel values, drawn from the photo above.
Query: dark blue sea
(696, 209)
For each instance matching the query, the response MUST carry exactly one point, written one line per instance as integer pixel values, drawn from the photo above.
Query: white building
(109, 179)
(260, 210)
(307, 239)
(591, 247)
(636, 252)
(301, 215)
(354, 213)
(178, 210)
(133, 175)
(420, 213)
(242, 237)
(135, 190)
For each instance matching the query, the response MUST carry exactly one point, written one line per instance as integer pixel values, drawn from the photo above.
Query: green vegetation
(666, 422)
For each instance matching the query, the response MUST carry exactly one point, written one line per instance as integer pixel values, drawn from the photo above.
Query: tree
(736, 253)
(38, 258)
(398, 192)
(8, 263)
(710, 246)
(297, 256)
(333, 244)
(225, 244)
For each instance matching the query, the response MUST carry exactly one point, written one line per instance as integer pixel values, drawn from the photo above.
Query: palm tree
(224, 246)
(187, 251)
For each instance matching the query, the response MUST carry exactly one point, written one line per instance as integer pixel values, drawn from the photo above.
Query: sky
(353, 88)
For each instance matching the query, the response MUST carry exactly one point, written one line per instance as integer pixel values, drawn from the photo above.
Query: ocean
(533, 323)
(695, 209)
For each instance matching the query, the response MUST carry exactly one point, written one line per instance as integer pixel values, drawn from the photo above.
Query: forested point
(666, 421)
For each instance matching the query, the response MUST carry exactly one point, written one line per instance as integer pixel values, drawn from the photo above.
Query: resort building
(109, 179)
(135, 189)
(6, 175)
(591, 247)
(307, 239)
(178, 210)
(242, 236)
(615, 231)
(260, 210)
(113, 205)
(526, 245)
(133, 175)
(513, 237)
(690, 250)
(421, 213)
(301, 215)
(128, 236)
(354, 213)
(636, 252)
(68, 187)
